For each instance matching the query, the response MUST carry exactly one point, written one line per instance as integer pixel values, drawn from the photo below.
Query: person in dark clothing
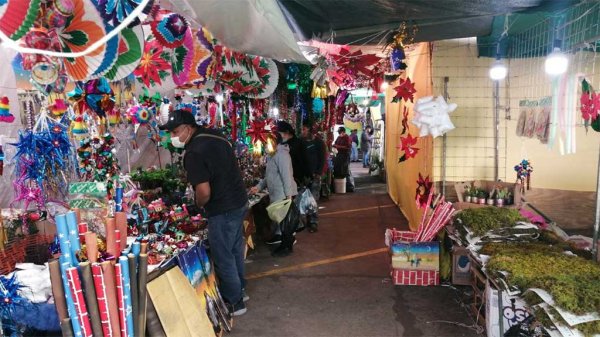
(366, 145)
(302, 173)
(354, 153)
(213, 172)
(315, 149)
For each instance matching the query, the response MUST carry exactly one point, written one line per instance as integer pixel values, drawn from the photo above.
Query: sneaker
(275, 240)
(239, 308)
(245, 296)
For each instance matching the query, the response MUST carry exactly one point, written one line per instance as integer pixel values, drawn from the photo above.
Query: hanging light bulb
(384, 85)
(257, 148)
(556, 62)
(498, 71)
(275, 111)
(219, 98)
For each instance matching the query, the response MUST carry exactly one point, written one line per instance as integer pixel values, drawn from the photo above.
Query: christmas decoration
(524, 170)
(405, 90)
(5, 115)
(155, 66)
(432, 116)
(407, 146)
(424, 189)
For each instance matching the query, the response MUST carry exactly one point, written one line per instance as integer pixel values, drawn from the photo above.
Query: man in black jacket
(315, 150)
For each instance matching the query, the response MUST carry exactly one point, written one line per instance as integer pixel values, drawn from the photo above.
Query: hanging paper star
(407, 145)
(154, 66)
(424, 186)
(355, 63)
(404, 121)
(257, 131)
(406, 91)
(9, 296)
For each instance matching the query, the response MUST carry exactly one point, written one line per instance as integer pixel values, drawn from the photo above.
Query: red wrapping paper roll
(110, 237)
(121, 299)
(121, 220)
(118, 243)
(103, 307)
(83, 228)
(111, 295)
(91, 244)
(78, 298)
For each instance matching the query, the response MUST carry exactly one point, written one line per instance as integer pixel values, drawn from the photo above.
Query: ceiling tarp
(256, 27)
(356, 21)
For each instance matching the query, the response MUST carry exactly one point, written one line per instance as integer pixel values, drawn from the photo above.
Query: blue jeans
(226, 239)
(354, 153)
(366, 157)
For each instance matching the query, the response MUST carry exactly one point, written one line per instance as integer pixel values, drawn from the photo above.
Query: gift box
(413, 263)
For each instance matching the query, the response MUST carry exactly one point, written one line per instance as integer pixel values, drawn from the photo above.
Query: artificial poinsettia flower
(257, 131)
(406, 91)
(587, 106)
(152, 65)
(424, 186)
(407, 145)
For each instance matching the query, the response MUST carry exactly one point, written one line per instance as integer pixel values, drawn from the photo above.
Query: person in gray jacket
(279, 180)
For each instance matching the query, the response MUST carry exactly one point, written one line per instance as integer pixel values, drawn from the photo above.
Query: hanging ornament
(424, 188)
(432, 116)
(524, 170)
(169, 28)
(5, 115)
(397, 57)
(59, 107)
(590, 106)
(257, 131)
(405, 90)
(407, 146)
(154, 66)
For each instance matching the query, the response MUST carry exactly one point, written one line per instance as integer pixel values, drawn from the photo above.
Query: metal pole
(496, 129)
(597, 222)
(444, 140)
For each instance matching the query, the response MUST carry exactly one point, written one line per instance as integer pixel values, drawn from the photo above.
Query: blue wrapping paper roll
(73, 236)
(62, 231)
(65, 263)
(136, 248)
(127, 292)
(118, 199)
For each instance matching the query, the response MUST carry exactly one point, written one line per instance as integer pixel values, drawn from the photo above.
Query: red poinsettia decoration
(406, 91)
(355, 63)
(590, 104)
(407, 145)
(154, 66)
(424, 187)
(257, 131)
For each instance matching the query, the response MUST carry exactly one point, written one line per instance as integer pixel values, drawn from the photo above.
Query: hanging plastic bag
(291, 222)
(277, 211)
(308, 204)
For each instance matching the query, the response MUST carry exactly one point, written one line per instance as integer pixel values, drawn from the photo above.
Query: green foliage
(589, 329)
(166, 179)
(482, 220)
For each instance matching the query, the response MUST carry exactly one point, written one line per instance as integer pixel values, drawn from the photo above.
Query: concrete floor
(325, 289)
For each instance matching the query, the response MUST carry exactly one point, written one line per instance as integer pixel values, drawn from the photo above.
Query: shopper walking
(342, 144)
(366, 145)
(213, 172)
(354, 153)
(315, 149)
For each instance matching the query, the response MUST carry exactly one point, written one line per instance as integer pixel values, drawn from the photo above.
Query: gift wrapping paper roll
(121, 299)
(73, 235)
(118, 243)
(58, 292)
(133, 280)
(103, 307)
(124, 262)
(119, 199)
(121, 219)
(144, 248)
(91, 298)
(65, 263)
(77, 214)
(108, 270)
(142, 295)
(79, 300)
(82, 228)
(91, 244)
(62, 230)
(110, 237)
(136, 249)
(66, 328)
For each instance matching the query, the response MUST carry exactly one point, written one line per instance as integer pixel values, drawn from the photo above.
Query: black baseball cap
(177, 118)
(283, 126)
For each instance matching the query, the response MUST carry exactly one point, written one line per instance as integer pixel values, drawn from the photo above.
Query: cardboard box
(461, 266)
(415, 263)
(512, 311)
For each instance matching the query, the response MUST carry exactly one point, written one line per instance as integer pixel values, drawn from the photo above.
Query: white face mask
(178, 143)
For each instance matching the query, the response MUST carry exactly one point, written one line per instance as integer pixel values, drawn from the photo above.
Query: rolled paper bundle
(118, 242)
(110, 237)
(73, 236)
(119, 199)
(91, 298)
(111, 296)
(77, 214)
(142, 294)
(133, 281)
(136, 249)
(66, 328)
(144, 248)
(2, 236)
(103, 306)
(62, 231)
(79, 300)
(57, 290)
(91, 244)
(124, 262)
(121, 219)
(65, 263)
(121, 299)
(82, 228)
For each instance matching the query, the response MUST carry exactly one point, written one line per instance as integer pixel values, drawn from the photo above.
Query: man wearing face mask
(213, 172)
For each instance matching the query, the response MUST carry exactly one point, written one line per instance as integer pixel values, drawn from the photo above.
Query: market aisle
(336, 284)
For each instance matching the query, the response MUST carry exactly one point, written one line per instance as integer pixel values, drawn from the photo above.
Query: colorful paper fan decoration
(18, 16)
(84, 28)
(131, 46)
(115, 11)
(110, 55)
(202, 59)
(154, 66)
(269, 79)
(169, 28)
(183, 56)
(139, 114)
(5, 115)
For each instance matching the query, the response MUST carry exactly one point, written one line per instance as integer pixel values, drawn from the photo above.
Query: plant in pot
(490, 199)
(481, 197)
(500, 196)
(474, 193)
(509, 200)
(467, 194)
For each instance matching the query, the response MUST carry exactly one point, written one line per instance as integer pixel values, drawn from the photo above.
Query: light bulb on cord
(384, 85)
(556, 62)
(219, 98)
(275, 111)
(498, 71)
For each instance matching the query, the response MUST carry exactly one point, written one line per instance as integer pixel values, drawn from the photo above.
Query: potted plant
(474, 193)
(490, 199)
(509, 200)
(481, 197)
(500, 196)
(467, 194)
